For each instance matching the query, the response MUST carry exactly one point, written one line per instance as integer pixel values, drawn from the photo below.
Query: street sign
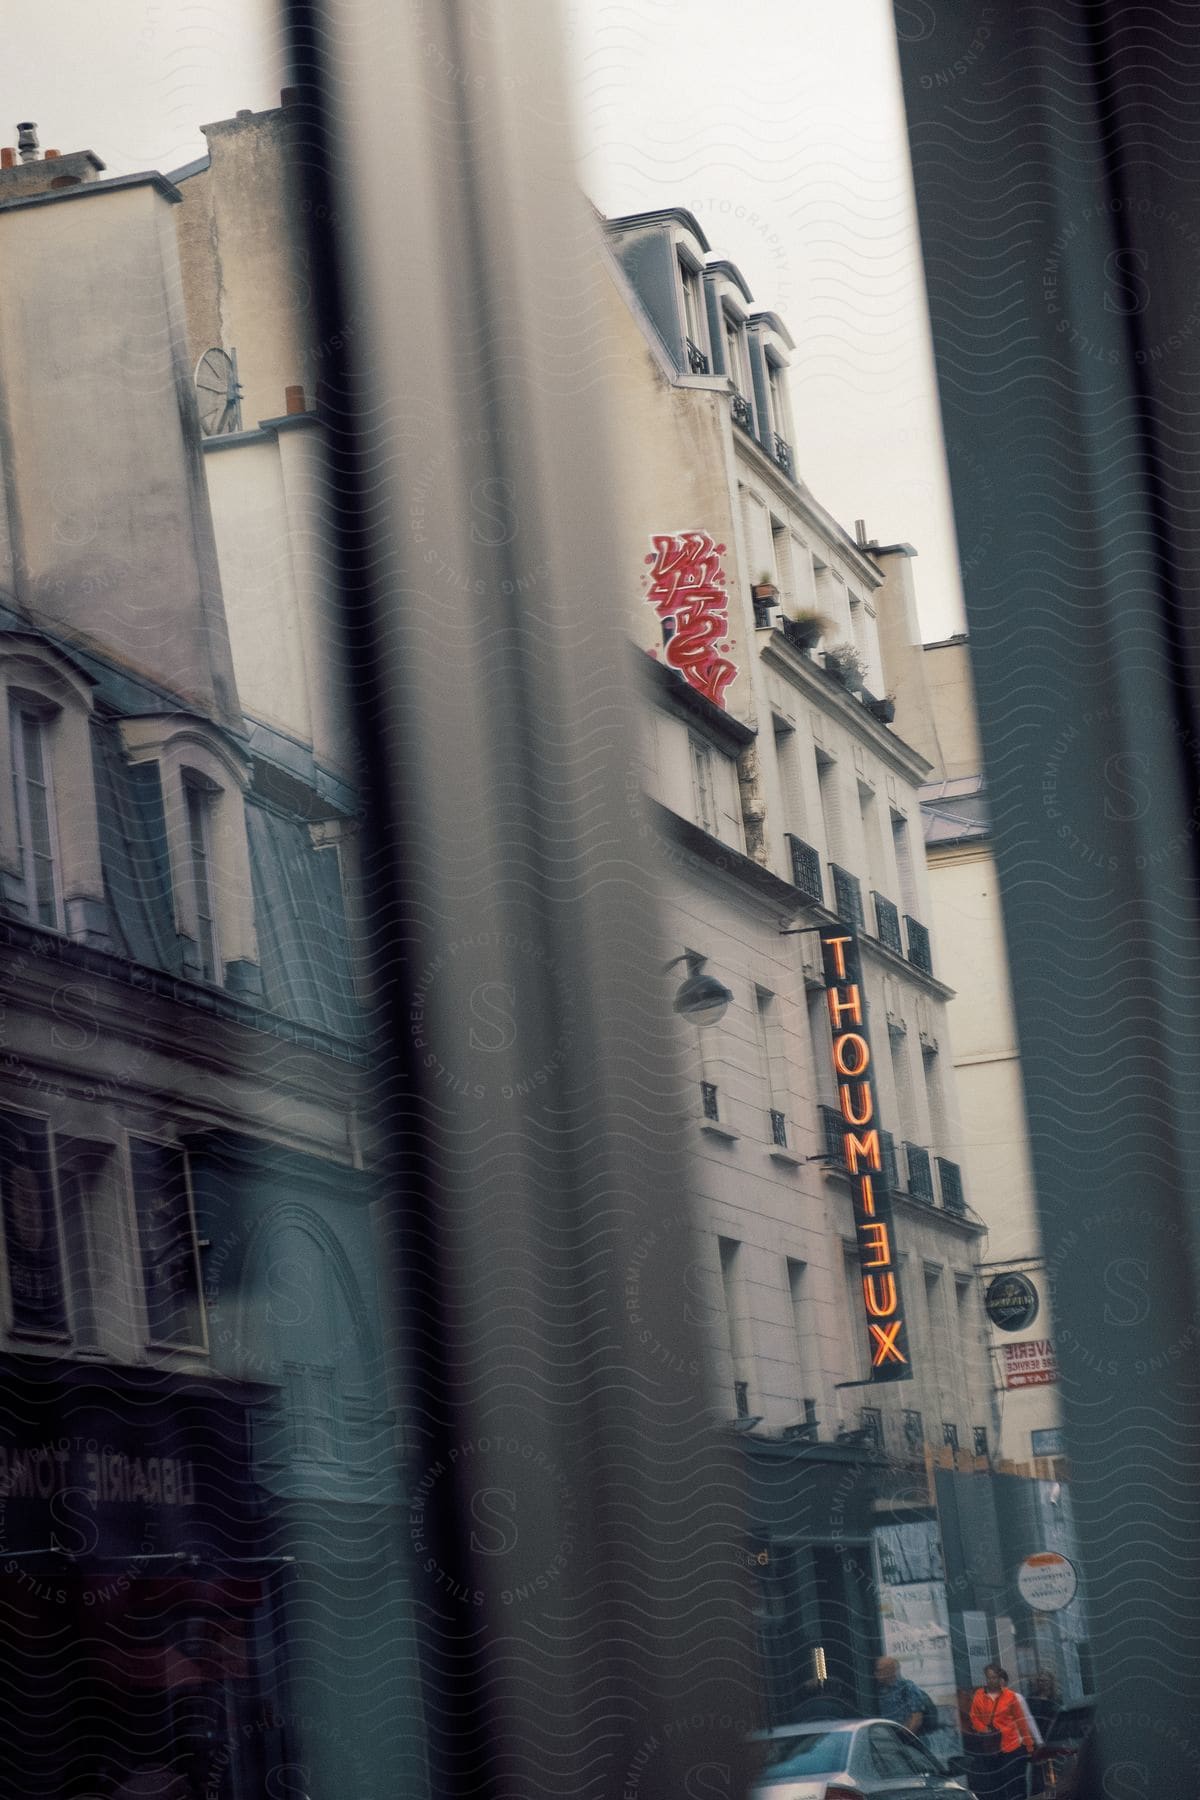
(1047, 1581)
(1048, 1441)
(1011, 1302)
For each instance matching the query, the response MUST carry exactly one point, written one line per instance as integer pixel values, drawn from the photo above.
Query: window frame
(700, 758)
(24, 1333)
(149, 1341)
(691, 284)
(201, 796)
(26, 707)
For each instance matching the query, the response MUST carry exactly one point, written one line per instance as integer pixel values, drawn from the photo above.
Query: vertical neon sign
(887, 1330)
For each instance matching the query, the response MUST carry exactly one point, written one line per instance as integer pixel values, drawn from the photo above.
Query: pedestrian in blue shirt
(901, 1700)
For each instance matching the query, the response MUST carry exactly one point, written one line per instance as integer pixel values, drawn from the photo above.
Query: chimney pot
(294, 400)
(8, 158)
(860, 533)
(27, 141)
(49, 155)
(244, 112)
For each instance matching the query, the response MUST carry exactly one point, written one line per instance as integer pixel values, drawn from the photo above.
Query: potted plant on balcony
(884, 710)
(806, 629)
(845, 665)
(764, 590)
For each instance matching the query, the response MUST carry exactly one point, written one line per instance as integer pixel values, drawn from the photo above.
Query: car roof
(782, 1731)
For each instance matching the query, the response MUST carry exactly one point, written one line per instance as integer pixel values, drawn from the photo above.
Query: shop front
(136, 1596)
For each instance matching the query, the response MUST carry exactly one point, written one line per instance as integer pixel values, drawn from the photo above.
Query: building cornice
(85, 189)
(667, 686)
(821, 688)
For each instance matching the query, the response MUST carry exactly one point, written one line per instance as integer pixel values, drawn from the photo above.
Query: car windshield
(806, 1753)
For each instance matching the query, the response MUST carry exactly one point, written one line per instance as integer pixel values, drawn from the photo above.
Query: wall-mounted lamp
(701, 998)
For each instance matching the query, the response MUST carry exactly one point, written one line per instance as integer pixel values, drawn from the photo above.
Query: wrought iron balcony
(870, 1423)
(919, 954)
(708, 1100)
(806, 869)
(950, 1178)
(847, 897)
(920, 1175)
(782, 451)
(914, 1430)
(697, 361)
(887, 1156)
(743, 412)
(778, 1129)
(980, 1439)
(887, 924)
(741, 1399)
(834, 1128)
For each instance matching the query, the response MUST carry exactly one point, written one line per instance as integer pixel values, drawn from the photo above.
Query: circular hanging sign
(1011, 1302)
(1047, 1581)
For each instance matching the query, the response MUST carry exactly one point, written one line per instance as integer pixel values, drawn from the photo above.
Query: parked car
(847, 1759)
(1056, 1763)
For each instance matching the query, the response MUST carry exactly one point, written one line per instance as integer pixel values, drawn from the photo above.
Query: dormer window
(198, 798)
(200, 780)
(30, 720)
(694, 326)
(735, 355)
(50, 871)
(780, 445)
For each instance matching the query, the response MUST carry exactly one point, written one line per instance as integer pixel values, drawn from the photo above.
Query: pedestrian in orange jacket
(994, 1707)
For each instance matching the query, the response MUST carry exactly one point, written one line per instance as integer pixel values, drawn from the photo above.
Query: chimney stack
(8, 157)
(860, 533)
(27, 142)
(295, 400)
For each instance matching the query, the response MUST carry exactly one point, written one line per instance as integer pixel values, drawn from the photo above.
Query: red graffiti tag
(687, 586)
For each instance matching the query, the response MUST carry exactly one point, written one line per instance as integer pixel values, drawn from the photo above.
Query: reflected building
(1034, 1496)
(199, 1503)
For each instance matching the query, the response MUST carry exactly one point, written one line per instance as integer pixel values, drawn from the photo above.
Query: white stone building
(789, 801)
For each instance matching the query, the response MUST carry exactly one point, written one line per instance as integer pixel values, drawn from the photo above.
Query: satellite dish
(218, 393)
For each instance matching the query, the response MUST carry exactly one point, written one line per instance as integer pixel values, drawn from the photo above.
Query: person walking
(1004, 1737)
(901, 1700)
(1044, 1701)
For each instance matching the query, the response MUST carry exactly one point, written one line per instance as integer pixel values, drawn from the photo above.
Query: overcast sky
(780, 126)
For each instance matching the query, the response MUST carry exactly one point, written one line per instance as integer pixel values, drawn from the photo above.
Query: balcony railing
(741, 1399)
(887, 1156)
(914, 1430)
(834, 1128)
(918, 945)
(697, 361)
(887, 924)
(782, 451)
(708, 1100)
(743, 412)
(950, 1180)
(806, 869)
(847, 897)
(778, 1129)
(920, 1175)
(870, 1423)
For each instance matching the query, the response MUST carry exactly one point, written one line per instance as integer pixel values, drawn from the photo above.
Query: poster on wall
(915, 1620)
